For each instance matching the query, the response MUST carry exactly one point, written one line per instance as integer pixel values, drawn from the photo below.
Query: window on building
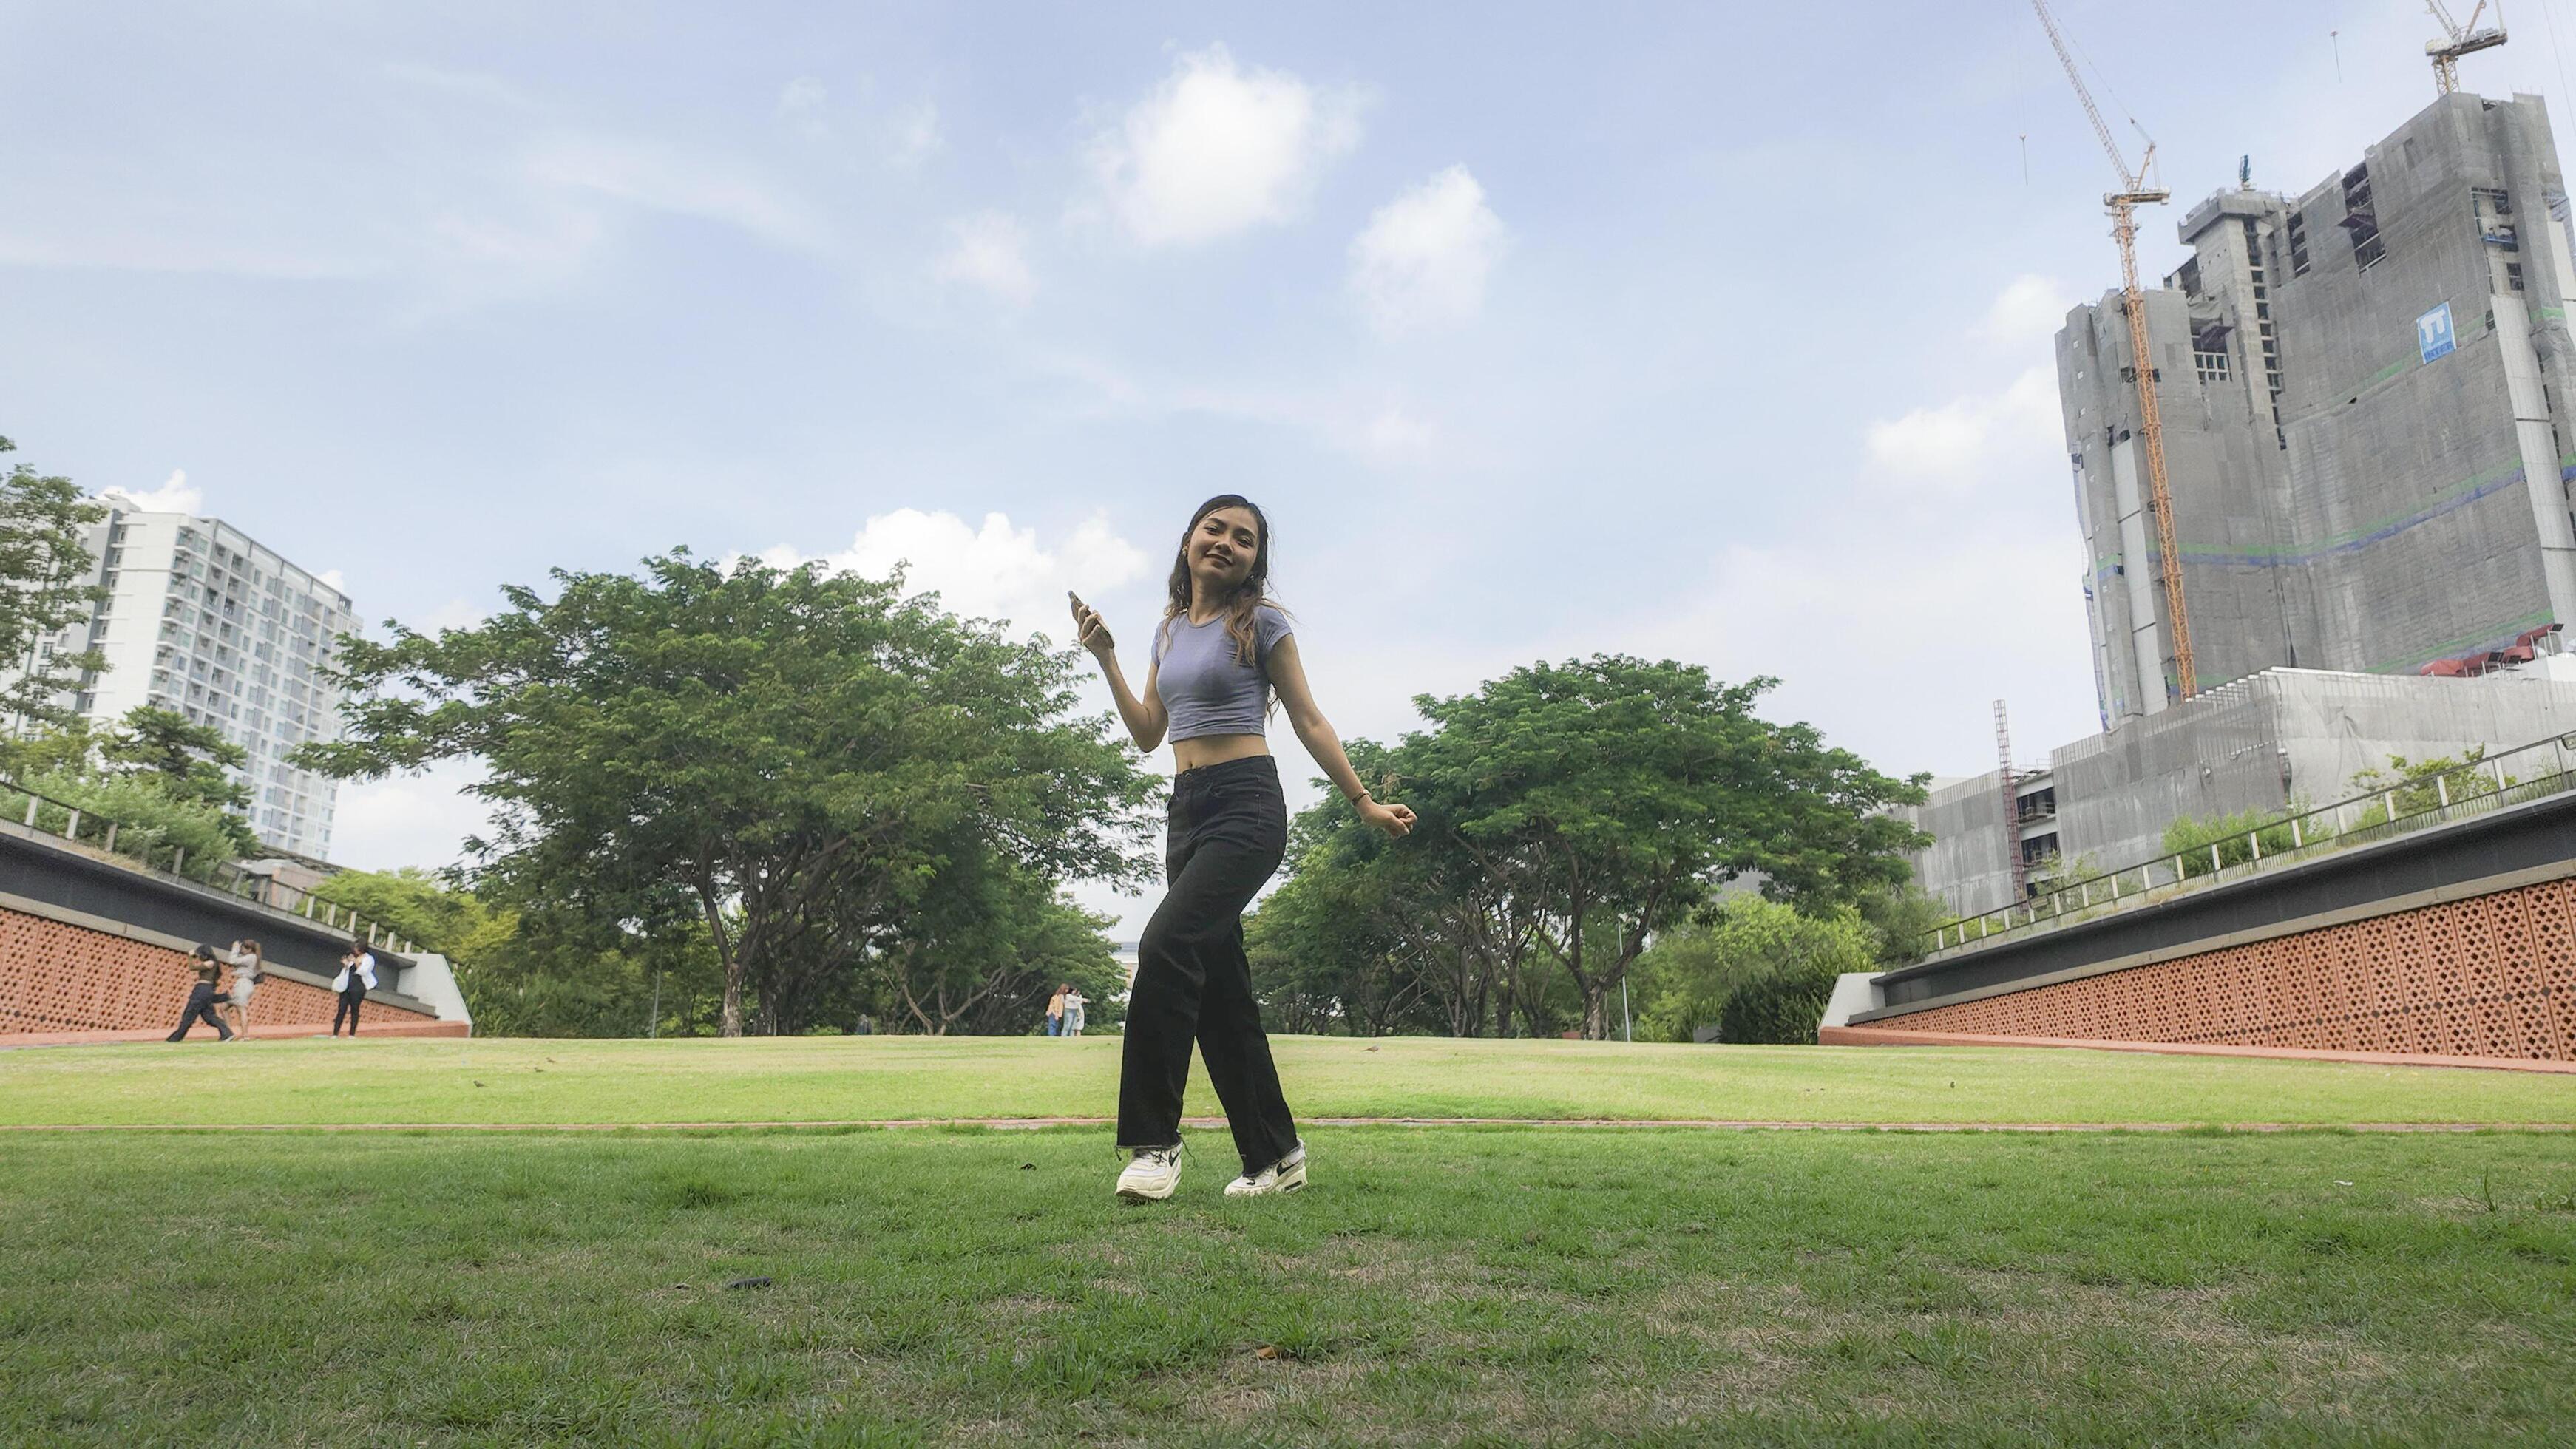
(2513, 275)
(2211, 366)
(2298, 244)
(2360, 219)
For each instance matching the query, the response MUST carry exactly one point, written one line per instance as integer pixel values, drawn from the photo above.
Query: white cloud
(454, 614)
(1967, 440)
(989, 250)
(2027, 312)
(662, 178)
(1425, 256)
(1881, 614)
(912, 136)
(335, 579)
(401, 820)
(2013, 430)
(175, 495)
(1216, 149)
(800, 105)
(991, 572)
(1394, 430)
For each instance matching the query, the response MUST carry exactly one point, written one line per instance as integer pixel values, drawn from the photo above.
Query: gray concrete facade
(2262, 743)
(2366, 396)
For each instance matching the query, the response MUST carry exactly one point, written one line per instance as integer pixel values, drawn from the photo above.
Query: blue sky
(1718, 333)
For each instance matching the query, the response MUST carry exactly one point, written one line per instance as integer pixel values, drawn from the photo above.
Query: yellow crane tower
(2123, 205)
(2464, 39)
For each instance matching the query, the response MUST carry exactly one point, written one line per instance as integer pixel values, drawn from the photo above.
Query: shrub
(151, 826)
(1759, 970)
(2191, 839)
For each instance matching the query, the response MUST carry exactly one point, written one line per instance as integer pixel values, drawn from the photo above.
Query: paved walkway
(1710, 1124)
(1900, 1036)
(205, 1035)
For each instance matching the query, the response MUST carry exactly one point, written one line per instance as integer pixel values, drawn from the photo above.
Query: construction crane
(2464, 40)
(2123, 203)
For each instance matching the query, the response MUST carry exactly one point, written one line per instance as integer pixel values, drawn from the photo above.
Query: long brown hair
(1242, 609)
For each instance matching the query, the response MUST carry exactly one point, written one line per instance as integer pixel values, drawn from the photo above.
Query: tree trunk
(731, 958)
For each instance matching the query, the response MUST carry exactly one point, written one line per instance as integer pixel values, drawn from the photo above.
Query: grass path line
(1710, 1124)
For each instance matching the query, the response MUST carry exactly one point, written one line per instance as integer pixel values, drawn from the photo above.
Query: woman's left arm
(1288, 676)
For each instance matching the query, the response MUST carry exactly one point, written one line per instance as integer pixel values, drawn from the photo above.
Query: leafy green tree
(1330, 953)
(1372, 936)
(190, 836)
(414, 904)
(1751, 968)
(189, 761)
(1899, 917)
(1611, 794)
(537, 974)
(791, 754)
(983, 955)
(2415, 785)
(65, 747)
(45, 567)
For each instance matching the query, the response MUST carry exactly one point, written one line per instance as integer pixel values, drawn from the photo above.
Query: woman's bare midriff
(1206, 750)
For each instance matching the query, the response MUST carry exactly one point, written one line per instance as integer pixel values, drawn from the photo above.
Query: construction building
(2367, 395)
(201, 619)
(2284, 738)
(2365, 406)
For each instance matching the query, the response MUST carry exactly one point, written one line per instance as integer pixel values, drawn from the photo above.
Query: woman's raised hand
(1089, 629)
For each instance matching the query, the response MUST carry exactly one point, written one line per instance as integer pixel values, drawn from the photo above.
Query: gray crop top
(1204, 689)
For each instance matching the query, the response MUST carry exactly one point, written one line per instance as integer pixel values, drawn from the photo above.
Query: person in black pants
(357, 977)
(201, 998)
(1221, 653)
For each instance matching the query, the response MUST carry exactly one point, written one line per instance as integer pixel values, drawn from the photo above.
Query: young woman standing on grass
(1222, 650)
(244, 958)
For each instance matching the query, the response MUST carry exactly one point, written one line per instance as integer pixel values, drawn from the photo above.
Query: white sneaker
(1286, 1175)
(1151, 1175)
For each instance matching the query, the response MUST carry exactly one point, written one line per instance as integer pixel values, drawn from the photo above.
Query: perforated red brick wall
(2491, 976)
(57, 977)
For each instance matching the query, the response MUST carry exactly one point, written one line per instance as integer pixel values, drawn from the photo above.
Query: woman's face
(1223, 547)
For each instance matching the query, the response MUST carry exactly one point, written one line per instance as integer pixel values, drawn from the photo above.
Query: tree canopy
(1570, 812)
(45, 567)
(796, 763)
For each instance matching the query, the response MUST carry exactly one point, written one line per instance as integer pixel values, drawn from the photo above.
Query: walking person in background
(244, 958)
(1220, 654)
(201, 997)
(1073, 1004)
(1055, 1013)
(357, 977)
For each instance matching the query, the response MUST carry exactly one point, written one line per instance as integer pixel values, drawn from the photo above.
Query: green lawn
(1440, 1285)
(874, 1078)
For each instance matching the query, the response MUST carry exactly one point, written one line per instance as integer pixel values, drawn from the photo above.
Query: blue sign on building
(2433, 336)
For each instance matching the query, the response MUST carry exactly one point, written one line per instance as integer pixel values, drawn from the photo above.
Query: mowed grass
(1498, 1285)
(825, 1079)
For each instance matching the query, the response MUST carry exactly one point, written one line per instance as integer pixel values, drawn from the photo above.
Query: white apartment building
(201, 619)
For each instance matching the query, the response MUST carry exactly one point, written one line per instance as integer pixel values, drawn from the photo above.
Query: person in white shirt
(1073, 1004)
(357, 977)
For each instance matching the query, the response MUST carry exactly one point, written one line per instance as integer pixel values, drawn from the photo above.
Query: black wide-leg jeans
(1229, 828)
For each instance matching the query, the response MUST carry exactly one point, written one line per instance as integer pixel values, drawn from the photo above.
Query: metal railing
(82, 826)
(2528, 772)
